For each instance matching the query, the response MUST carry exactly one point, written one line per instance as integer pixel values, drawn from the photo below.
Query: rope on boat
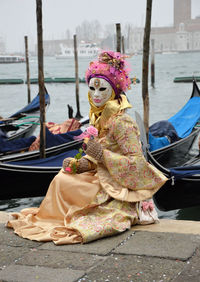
(28, 122)
(29, 117)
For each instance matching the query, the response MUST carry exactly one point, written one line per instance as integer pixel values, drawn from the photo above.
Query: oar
(143, 137)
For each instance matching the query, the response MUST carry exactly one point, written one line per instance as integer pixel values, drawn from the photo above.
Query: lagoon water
(165, 99)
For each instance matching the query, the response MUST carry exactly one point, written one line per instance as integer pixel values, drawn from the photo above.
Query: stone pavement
(168, 251)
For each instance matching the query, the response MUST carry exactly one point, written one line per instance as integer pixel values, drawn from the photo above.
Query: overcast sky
(18, 17)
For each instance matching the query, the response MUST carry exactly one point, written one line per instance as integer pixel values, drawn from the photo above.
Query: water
(165, 99)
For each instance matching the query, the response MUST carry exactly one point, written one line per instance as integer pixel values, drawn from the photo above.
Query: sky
(18, 17)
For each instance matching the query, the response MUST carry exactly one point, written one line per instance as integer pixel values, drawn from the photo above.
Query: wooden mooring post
(152, 63)
(123, 45)
(145, 66)
(27, 69)
(41, 78)
(118, 36)
(78, 114)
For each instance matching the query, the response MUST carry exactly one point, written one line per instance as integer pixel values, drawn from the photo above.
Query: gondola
(182, 187)
(26, 175)
(22, 123)
(55, 144)
(176, 136)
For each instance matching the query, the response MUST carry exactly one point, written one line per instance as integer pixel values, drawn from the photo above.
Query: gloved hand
(66, 163)
(95, 150)
(81, 165)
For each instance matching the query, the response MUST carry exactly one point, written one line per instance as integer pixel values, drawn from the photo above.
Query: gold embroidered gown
(79, 208)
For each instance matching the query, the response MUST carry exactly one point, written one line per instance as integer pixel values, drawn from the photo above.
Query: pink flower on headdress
(112, 70)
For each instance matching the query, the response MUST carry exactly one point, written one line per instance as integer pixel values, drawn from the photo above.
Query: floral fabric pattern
(124, 158)
(110, 218)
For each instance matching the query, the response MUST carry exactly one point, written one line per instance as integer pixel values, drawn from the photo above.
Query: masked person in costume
(112, 186)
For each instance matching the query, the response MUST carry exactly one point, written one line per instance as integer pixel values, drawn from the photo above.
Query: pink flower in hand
(68, 169)
(90, 131)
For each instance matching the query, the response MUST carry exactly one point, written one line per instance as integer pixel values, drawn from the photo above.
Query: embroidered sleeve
(127, 165)
(125, 131)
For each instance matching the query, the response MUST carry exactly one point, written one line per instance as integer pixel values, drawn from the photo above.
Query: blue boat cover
(15, 145)
(185, 120)
(58, 139)
(164, 128)
(184, 171)
(54, 161)
(157, 142)
(2, 134)
(183, 123)
(33, 106)
(51, 140)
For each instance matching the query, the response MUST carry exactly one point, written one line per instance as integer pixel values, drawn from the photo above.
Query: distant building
(182, 12)
(183, 36)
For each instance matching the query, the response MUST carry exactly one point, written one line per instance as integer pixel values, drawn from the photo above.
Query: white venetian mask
(100, 91)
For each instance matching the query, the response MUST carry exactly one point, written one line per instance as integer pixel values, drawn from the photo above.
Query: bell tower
(182, 11)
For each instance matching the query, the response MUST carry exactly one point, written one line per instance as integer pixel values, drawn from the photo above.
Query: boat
(59, 141)
(56, 80)
(169, 52)
(11, 81)
(173, 138)
(11, 59)
(181, 190)
(23, 123)
(84, 50)
(46, 80)
(27, 175)
(186, 78)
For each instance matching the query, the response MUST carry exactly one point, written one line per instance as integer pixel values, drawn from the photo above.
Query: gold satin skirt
(75, 210)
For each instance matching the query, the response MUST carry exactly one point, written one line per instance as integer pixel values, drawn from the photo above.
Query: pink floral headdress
(112, 67)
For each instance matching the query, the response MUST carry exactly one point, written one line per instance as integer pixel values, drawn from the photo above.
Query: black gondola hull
(175, 153)
(183, 194)
(177, 193)
(24, 182)
(21, 181)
